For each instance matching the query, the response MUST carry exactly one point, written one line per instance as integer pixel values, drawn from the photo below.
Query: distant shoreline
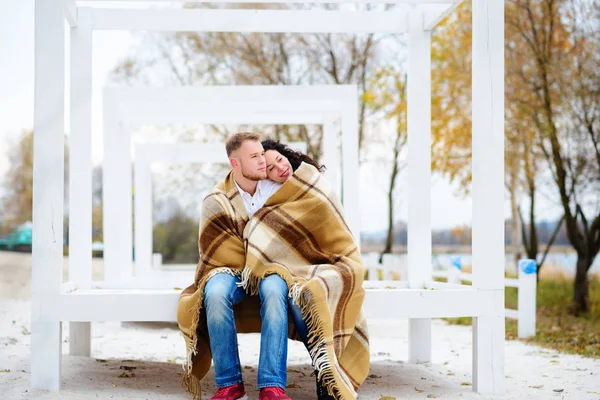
(454, 249)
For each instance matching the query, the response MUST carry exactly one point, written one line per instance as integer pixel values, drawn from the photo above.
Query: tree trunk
(581, 293)
(390, 196)
(516, 239)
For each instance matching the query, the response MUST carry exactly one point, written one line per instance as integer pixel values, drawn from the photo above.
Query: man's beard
(253, 175)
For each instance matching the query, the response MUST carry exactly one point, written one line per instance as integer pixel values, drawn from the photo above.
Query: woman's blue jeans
(221, 293)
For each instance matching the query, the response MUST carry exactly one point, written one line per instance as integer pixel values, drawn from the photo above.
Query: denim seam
(271, 384)
(233, 382)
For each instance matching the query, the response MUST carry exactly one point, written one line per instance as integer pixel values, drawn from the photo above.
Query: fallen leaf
(432, 396)
(177, 288)
(373, 376)
(294, 370)
(172, 360)
(554, 362)
(419, 390)
(293, 386)
(386, 397)
(450, 373)
(435, 386)
(100, 360)
(536, 386)
(465, 383)
(26, 331)
(5, 370)
(127, 368)
(114, 385)
(247, 367)
(123, 375)
(558, 390)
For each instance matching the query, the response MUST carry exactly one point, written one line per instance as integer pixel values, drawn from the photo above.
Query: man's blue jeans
(221, 293)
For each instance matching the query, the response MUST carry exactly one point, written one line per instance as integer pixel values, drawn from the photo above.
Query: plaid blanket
(300, 234)
(324, 274)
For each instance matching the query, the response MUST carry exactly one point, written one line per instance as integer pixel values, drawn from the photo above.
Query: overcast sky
(16, 114)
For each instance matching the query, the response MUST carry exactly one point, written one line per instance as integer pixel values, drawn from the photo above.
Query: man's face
(251, 161)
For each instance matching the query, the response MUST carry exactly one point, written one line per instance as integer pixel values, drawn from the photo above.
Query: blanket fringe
(316, 338)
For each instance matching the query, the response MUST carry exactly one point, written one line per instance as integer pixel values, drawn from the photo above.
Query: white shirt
(264, 190)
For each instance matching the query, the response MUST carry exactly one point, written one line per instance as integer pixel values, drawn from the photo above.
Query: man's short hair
(234, 142)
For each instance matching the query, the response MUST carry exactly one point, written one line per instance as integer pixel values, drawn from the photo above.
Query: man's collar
(258, 187)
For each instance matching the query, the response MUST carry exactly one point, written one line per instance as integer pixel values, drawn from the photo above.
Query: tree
(387, 95)
(560, 40)
(17, 203)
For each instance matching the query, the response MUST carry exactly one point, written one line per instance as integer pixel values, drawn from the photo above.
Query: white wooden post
(48, 193)
(454, 275)
(419, 176)
(389, 265)
(350, 156)
(156, 261)
(331, 157)
(488, 190)
(80, 175)
(370, 261)
(527, 304)
(117, 191)
(143, 214)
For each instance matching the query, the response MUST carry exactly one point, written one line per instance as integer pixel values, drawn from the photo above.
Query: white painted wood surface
(232, 20)
(484, 300)
(145, 155)
(48, 203)
(117, 196)
(488, 188)
(419, 177)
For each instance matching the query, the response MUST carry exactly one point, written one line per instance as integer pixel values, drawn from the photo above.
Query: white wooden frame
(124, 107)
(145, 155)
(484, 301)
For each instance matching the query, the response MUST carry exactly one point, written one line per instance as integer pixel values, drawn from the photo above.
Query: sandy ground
(151, 355)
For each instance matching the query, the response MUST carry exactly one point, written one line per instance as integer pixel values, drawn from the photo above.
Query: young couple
(276, 257)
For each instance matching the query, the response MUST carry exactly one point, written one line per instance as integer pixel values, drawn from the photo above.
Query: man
(225, 213)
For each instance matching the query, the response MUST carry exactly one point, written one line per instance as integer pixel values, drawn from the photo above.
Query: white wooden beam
(237, 94)
(279, 1)
(287, 113)
(117, 195)
(350, 166)
(80, 145)
(80, 173)
(231, 20)
(488, 188)
(48, 193)
(419, 177)
(70, 12)
(432, 16)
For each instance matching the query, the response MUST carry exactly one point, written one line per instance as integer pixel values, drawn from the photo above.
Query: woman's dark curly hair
(294, 157)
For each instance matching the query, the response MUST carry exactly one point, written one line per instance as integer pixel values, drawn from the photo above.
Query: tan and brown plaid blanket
(300, 234)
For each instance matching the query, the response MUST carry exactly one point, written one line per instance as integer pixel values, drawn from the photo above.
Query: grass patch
(556, 328)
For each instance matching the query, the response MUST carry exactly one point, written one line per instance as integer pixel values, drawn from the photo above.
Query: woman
(283, 161)
(316, 221)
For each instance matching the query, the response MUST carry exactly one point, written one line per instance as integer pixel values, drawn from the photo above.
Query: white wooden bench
(419, 298)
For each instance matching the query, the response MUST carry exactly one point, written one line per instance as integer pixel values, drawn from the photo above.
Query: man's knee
(219, 289)
(273, 286)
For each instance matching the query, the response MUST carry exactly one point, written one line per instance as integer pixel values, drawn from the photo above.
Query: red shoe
(233, 392)
(273, 393)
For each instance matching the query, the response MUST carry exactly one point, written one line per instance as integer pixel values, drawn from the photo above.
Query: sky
(16, 114)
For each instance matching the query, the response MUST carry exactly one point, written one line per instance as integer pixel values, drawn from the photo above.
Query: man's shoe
(233, 392)
(322, 392)
(273, 393)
